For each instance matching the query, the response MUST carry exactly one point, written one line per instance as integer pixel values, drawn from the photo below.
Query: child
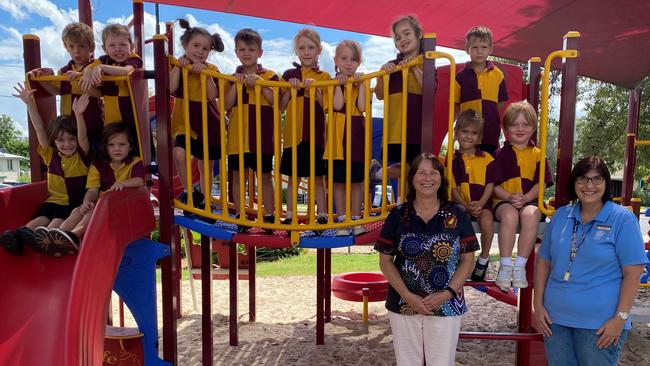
(118, 60)
(248, 47)
(481, 86)
(79, 41)
(116, 169)
(407, 34)
(308, 47)
(64, 149)
(516, 193)
(197, 44)
(347, 58)
(472, 182)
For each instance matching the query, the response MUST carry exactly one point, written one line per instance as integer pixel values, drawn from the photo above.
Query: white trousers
(417, 338)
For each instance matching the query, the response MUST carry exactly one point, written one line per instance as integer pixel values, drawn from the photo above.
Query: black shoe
(269, 219)
(286, 221)
(198, 199)
(480, 270)
(64, 241)
(241, 228)
(43, 243)
(321, 220)
(10, 241)
(183, 198)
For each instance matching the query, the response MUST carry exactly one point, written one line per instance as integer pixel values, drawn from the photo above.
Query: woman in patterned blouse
(426, 252)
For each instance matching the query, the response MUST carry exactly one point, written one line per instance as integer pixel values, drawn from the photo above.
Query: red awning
(614, 43)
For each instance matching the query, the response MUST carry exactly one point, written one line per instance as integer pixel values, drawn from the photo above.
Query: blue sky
(47, 18)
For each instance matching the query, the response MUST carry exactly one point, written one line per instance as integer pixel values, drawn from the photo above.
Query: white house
(10, 167)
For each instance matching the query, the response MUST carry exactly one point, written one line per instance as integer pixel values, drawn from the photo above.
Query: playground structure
(300, 229)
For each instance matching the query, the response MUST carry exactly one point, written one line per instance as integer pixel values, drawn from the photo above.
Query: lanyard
(575, 246)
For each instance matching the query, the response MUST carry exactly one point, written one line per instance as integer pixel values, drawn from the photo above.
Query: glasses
(596, 180)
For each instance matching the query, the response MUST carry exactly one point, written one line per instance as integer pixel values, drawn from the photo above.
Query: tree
(603, 129)
(12, 140)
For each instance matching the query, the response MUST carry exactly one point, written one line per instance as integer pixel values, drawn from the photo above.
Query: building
(10, 167)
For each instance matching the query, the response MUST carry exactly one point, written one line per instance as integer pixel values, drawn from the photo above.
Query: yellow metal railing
(546, 209)
(276, 86)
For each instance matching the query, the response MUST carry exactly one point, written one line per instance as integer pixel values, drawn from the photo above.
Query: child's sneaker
(358, 230)
(504, 277)
(64, 241)
(10, 241)
(25, 236)
(479, 271)
(269, 219)
(519, 277)
(344, 231)
(286, 221)
(43, 244)
(321, 220)
(240, 228)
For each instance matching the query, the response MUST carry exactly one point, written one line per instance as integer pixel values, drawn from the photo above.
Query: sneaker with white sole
(504, 277)
(519, 277)
(480, 271)
(358, 230)
(344, 231)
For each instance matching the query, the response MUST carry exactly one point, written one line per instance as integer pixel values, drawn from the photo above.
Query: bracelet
(453, 292)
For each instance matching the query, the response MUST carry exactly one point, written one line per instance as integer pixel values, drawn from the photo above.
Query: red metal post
(46, 105)
(252, 283)
(177, 270)
(320, 316)
(567, 120)
(85, 12)
(633, 112)
(327, 285)
(206, 300)
(233, 279)
(526, 314)
(532, 91)
(428, 93)
(138, 26)
(169, 309)
(169, 32)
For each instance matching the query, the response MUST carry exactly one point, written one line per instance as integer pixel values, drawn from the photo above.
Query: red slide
(54, 309)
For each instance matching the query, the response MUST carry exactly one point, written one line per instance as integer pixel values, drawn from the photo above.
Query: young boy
(516, 193)
(481, 86)
(248, 47)
(473, 175)
(119, 60)
(79, 41)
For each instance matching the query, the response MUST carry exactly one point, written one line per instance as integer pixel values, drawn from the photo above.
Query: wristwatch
(454, 294)
(623, 315)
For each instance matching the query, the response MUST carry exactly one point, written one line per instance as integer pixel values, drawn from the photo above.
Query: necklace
(576, 244)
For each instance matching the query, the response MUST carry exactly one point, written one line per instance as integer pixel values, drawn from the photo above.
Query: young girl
(308, 47)
(472, 182)
(515, 202)
(198, 44)
(347, 58)
(407, 34)
(116, 169)
(64, 149)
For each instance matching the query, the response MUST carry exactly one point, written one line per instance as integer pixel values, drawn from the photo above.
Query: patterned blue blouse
(427, 253)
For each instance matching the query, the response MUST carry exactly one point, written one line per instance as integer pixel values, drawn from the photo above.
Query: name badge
(603, 227)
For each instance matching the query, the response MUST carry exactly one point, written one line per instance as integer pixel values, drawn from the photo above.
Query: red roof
(614, 43)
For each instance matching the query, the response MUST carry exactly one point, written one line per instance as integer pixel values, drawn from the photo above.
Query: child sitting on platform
(63, 146)
(472, 182)
(116, 169)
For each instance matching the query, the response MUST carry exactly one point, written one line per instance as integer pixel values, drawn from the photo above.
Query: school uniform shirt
(413, 107)
(520, 168)
(427, 254)
(195, 109)
(249, 121)
(69, 91)
(471, 173)
(482, 92)
(302, 108)
(612, 240)
(117, 96)
(66, 175)
(103, 175)
(338, 140)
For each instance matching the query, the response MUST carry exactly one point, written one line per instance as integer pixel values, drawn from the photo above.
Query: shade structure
(615, 34)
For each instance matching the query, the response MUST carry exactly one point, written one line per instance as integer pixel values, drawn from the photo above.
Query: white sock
(482, 260)
(341, 218)
(520, 261)
(506, 261)
(356, 217)
(289, 214)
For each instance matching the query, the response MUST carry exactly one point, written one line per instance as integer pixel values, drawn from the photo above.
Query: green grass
(305, 265)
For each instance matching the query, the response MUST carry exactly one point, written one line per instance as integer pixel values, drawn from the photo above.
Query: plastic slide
(54, 310)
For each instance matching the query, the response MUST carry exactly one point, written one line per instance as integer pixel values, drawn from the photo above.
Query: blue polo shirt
(612, 240)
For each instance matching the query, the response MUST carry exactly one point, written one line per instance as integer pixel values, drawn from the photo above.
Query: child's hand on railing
(91, 77)
(251, 79)
(73, 74)
(388, 67)
(117, 186)
(198, 67)
(295, 83)
(183, 62)
(357, 76)
(24, 94)
(341, 77)
(86, 207)
(40, 72)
